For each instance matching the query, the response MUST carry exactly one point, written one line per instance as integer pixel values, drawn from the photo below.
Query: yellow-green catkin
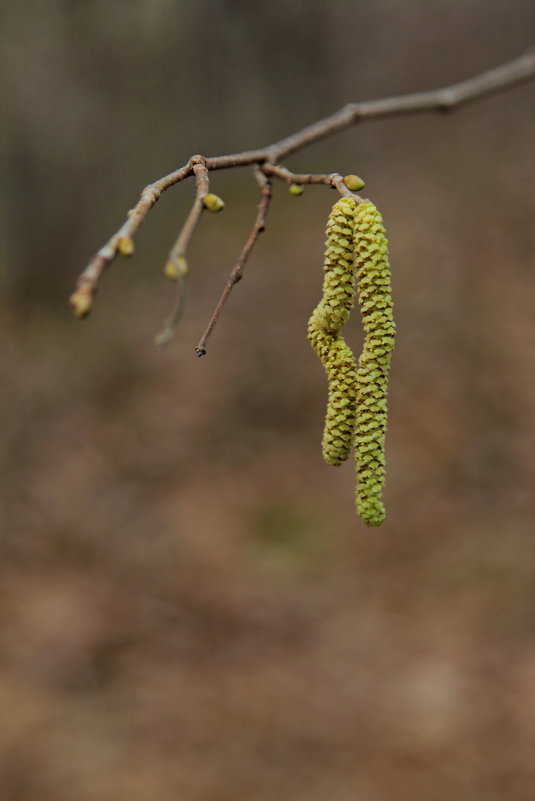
(339, 363)
(339, 274)
(324, 332)
(375, 301)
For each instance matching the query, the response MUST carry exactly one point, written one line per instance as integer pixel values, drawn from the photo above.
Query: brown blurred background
(189, 607)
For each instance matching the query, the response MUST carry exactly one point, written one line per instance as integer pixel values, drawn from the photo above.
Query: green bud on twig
(176, 268)
(125, 246)
(295, 189)
(81, 303)
(213, 202)
(354, 183)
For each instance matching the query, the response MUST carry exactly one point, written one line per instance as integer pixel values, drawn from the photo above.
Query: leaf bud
(81, 303)
(176, 268)
(125, 246)
(295, 189)
(354, 183)
(213, 202)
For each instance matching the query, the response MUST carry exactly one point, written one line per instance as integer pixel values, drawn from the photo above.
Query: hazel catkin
(339, 363)
(375, 301)
(339, 275)
(324, 327)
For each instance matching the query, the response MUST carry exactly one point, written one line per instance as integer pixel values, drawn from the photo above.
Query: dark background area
(189, 607)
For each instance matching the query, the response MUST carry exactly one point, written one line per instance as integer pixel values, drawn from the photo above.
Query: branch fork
(266, 166)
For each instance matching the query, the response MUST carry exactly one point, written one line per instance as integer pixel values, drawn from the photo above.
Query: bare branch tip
(266, 163)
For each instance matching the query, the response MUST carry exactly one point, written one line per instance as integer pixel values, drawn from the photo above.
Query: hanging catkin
(324, 332)
(375, 301)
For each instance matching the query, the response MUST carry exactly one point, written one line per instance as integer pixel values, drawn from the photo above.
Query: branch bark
(267, 160)
(237, 272)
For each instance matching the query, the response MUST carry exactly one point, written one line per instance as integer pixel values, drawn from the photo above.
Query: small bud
(125, 246)
(295, 189)
(354, 183)
(81, 304)
(176, 268)
(324, 333)
(213, 202)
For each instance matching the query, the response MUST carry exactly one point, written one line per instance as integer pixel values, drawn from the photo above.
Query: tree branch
(445, 99)
(439, 100)
(188, 229)
(237, 271)
(334, 179)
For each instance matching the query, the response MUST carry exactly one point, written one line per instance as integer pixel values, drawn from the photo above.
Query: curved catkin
(339, 364)
(324, 332)
(375, 301)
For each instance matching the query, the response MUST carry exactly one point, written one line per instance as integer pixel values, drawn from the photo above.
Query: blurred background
(190, 608)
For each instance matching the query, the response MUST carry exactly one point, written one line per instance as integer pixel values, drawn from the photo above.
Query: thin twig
(201, 176)
(438, 100)
(174, 268)
(88, 281)
(444, 99)
(237, 271)
(334, 179)
(166, 334)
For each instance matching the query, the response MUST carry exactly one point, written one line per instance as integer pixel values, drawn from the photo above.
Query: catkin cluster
(324, 334)
(356, 406)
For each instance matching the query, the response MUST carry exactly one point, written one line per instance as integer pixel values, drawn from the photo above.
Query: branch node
(265, 163)
(446, 100)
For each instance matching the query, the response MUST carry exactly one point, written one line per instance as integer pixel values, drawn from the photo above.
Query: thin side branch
(201, 176)
(176, 268)
(237, 271)
(439, 100)
(87, 284)
(165, 336)
(334, 180)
